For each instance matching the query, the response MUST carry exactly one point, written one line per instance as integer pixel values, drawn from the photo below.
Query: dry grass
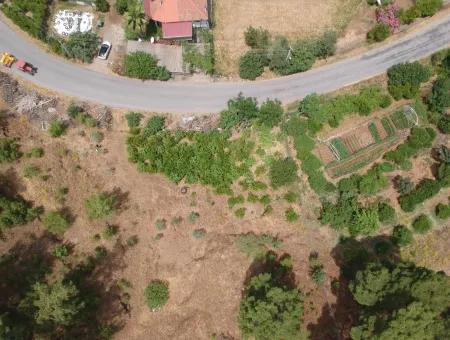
(291, 18)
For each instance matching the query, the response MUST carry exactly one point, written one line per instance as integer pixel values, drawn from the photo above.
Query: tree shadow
(27, 262)
(350, 255)
(276, 266)
(121, 198)
(107, 304)
(11, 184)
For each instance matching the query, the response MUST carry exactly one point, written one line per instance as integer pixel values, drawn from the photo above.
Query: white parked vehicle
(105, 48)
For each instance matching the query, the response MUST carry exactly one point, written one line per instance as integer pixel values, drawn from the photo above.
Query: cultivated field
(291, 18)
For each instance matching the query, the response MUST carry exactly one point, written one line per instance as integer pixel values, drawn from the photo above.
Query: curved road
(193, 97)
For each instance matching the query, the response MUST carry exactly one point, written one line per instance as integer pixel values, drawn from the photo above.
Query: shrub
(251, 65)
(60, 251)
(403, 185)
(402, 236)
(161, 224)
(316, 269)
(257, 37)
(422, 224)
(154, 125)
(133, 119)
(102, 5)
(379, 33)
(156, 295)
(110, 231)
(443, 211)
(291, 215)
(426, 189)
(325, 45)
(121, 6)
(385, 212)
(36, 153)
(405, 79)
(241, 110)
(290, 197)
(74, 110)
(439, 98)
(132, 241)
(232, 201)
(81, 46)
(240, 213)
(193, 217)
(428, 8)
(31, 171)
(444, 124)
(270, 113)
(56, 128)
(100, 205)
(144, 66)
(199, 233)
(97, 136)
(256, 246)
(282, 172)
(9, 150)
(55, 222)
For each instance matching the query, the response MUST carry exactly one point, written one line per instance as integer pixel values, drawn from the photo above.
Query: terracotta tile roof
(182, 29)
(176, 10)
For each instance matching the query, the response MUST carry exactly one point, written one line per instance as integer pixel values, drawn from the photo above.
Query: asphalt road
(193, 97)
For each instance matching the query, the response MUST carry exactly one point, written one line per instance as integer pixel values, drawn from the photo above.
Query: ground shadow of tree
(27, 261)
(11, 184)
(351, 256)
(95, 279)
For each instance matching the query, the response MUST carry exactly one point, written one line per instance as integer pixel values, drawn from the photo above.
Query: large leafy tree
(400, 301)
(57, 303)
(439, 98)
(405, 79)
(271, 309)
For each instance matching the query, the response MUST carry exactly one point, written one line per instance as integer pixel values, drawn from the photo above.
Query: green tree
(439, 98)
(133, 119)
(101, 205)
(422, 224)
(364, 222)
(405, 79)
(154, 125)
(444, 124)
(270, 310)
(81, 46)
(136, 19)
(156, 294)
(240, 110)
(121, 6)
(15, 212)
(251, 65)
(58, 304)
(258, 38)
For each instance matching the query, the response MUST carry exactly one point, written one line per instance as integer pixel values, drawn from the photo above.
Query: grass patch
(374, 132)
(340, 148)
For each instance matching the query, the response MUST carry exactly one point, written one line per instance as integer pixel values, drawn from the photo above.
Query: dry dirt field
(291, 18)
(205, 276)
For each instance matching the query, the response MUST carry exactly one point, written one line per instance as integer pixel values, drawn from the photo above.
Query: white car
(105, 48)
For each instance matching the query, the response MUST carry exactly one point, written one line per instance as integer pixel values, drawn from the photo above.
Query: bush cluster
(443, 211)
(81, 46)
(426, 189)
(378, 33)
(370, 183)
(256, 246)
(321, 109)
(209, 158)
(421, 9)
(101, 205)
(402, 236)
(144, 66)
(15, 211)
(419, 138)
(29, 15)
(422, 224)
(404, 79)
(349, 213)
(282, 56)
(55, 222)
(283, 171)
(102, 5)
(243, 111)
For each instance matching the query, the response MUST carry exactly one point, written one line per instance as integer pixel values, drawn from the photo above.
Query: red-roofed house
(178, 17)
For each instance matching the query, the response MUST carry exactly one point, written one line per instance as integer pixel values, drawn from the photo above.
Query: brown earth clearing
(205, 275)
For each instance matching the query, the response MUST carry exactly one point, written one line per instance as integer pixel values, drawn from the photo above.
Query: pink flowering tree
(388, 15)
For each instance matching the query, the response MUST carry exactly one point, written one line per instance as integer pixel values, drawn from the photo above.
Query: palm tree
(136, 18)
